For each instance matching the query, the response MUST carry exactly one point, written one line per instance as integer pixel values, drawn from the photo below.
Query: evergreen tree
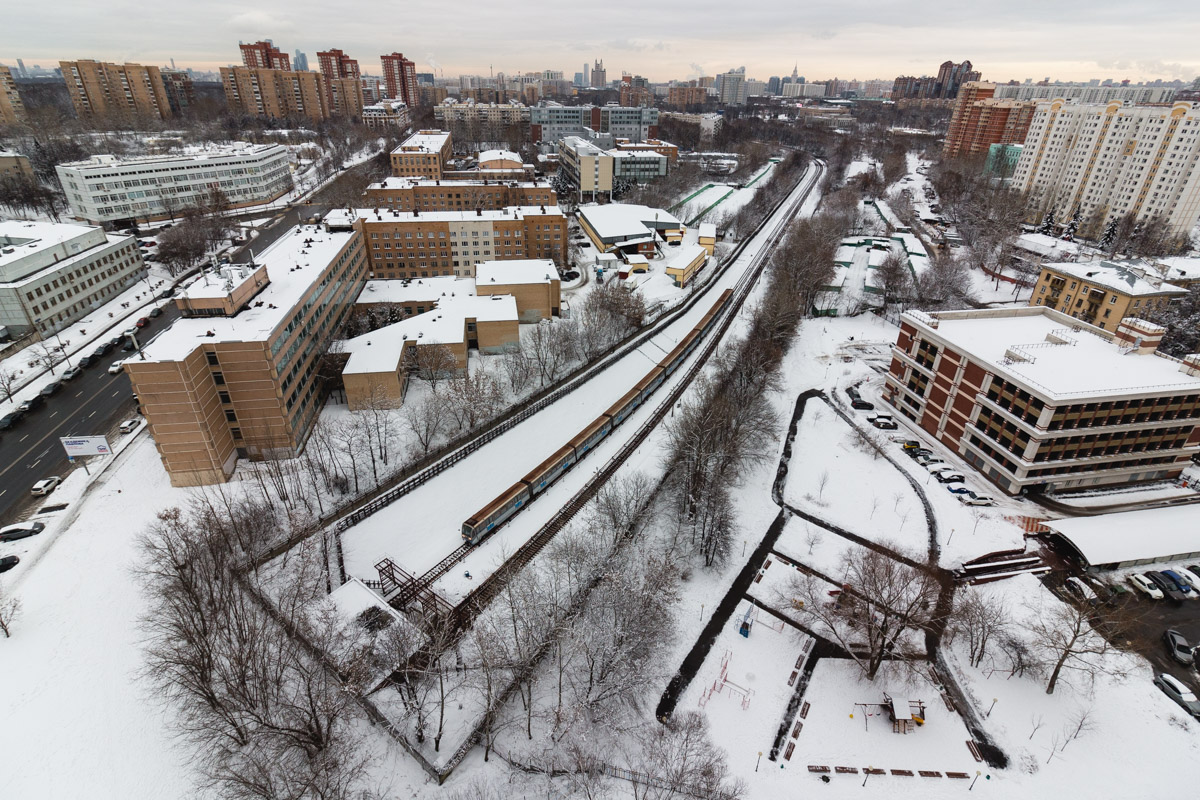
(1072, 226)
(1110, 234)
(1047, 226)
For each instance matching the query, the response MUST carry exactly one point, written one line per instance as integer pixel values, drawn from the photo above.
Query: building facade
(181, 91)
(1102, 293)
(1034, 400)
(424, 244)
(1085, 93)
(53, 274)
(419, 194)
(1109, 160)
(239, 375)
(107, 188)
(265, 55)
(12, 109)
(423, 155)
(452, 112)
(387, 114)
(15, 167)
(275, 93)
(100, 89)
(980, 121)
(683, 96)
(551, 122)
(400, 78)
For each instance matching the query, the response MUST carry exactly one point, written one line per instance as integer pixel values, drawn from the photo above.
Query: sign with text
(86, 446)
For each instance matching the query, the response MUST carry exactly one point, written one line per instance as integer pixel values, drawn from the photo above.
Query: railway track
(479, 598)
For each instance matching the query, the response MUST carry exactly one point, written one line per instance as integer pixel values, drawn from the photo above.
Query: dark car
(862, 405)
(8, 562)
(128, 346)
(1166, 585)
(51, 388)
(87, 361)
(32, 403)
(884, 423)
(10, 419)
(1181, 651)
(852, 393)
(155, 312)
(166, 293)
(916, 452)
(12, 533)
(113, 342)
(1174, 577)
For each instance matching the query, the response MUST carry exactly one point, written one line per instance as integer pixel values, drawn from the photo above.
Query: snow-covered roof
(1126, 277)
(523, 270)
(1056, 355)
(1180, 268)
(707, 230)
(1043, 245)
(416, 290)
(499, 155)
(685, 255)
(1152, 534)
(380, 350)
(213, 152)
(293, 263)
(424, 141)
(346, 217)
(626, 221)
(27, 238)
(394, 182)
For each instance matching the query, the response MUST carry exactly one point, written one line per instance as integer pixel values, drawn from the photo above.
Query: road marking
(23, 438)
(117, 392)
(34, 464)
(54, 413)
(89, 416)
(3, 492)
(79, 393)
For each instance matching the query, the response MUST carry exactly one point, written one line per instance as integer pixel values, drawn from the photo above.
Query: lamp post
(756, 763)
(993, 705)
(977, 774)
(66, 360)
(868, 771)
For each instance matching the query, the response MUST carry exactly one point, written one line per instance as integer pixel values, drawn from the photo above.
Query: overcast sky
(1060, 39)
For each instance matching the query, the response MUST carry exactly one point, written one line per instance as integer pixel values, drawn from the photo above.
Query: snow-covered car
(46, 485)
(970, 498)
(1080, 589)
(884, 422)
(1175, 641)
(949, 476)
(936, 466)
(956, 488)
(927, 458)
(1175, 689)
(11, 533)
(8, 562)
(1144, 586)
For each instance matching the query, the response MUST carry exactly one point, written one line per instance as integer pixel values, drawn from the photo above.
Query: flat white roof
(394, 182)
(1132, 535)
(199, 155)
(1127, 277)
(1181, 267)
(416, 290)
(379, 350)
(618, 220)
(524, 270)
(343, 216)
(496, 155)
(685, 255)
(1045, 245)
(430, 141)
(28, 238)
(1087, 363)
(292, 267)
(707, 230)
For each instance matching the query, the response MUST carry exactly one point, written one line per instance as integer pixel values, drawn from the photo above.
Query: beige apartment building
(277, 93)
(238, 375)
(12, 110)
(345, 97)
(99, 89)
(424, 244)
(1111, 159)
(1102, 293)
(407, 194)
(14, 166)
(424, 154)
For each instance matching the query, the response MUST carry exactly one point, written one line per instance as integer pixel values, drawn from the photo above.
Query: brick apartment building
(264, 55)
(100, 89)
(423, 244)
(237, 376)
(276, 93)
(980, 121)
(424, 154)
(421, 194)
(12, 109)
(1034, 399)
(400, 78)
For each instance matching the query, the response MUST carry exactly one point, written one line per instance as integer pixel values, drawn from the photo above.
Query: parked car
(1175, 641)
(115, 367)
(949, 476)
(852, 393)
(934, 465)
(113, 342)
(51, 388)
(156, 312)
(883, 422)
(1080, 589)
(31, 404)
(1174, 577)
(130, 331)
(906, 444)
(957, 488)
(10, 419)
(11, 533)
(1190, 575)
(102, 350)
(919, 453)
(970, 498)
(862, 405)
(143, 322)
(926, 460)
(1166, 585)
(71, 373)
(86, 361)
(1175, 689)
(1106, 591)
(46, 485)
(128, 425)
(1144, 586)
(8, 562)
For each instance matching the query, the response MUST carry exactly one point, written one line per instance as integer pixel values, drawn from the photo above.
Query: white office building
(110, 189)
(1112, 159)
(52, 274)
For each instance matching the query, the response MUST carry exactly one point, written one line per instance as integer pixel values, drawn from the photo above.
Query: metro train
(496, 513)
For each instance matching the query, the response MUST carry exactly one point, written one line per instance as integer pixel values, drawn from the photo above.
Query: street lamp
(38, 322)
(868, 771)
(993, 705)
(977, 774)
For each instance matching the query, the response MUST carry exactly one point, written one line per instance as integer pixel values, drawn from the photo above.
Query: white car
(128, 425)
(1189, 577)
(116, 367)
(1144, 586)
(45, 485)
(970, 498)
(936, 466)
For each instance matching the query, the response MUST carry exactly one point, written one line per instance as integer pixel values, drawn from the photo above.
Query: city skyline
(850, 40)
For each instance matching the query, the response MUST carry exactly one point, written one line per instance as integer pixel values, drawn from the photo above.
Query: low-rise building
(1181, 271)
(593, 171)
(52, 274)
(238, 375)
(407, 194)
(423, 244)
(551, 122)
(387, 114)
(686, 263)
(1035, 399)
(1102, 293)
(534, 283)
(710, 124)
(707, 237)
(650, 145)
(107, 188)
(629, 228)
(14, 166)
(424, 154)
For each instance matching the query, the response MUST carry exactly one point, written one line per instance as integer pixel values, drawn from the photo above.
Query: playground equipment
(722, 683)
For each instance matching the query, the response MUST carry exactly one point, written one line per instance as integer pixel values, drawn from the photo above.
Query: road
(93, 403)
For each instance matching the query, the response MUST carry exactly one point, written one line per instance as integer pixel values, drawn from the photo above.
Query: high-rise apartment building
(100, 89)
(1084, 92)
(950, 77)
(1109, 160)
(12, 110)
(181, 94)
(336, 64)
(731, 90)
(980, 121)
(265, 55)
(276, 93)
(599, 75)
(400, 77)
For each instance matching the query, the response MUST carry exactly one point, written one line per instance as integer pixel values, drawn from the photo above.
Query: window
(219, 378)
(224, 397)
(230, 415)
(237, 432)
(212, 359)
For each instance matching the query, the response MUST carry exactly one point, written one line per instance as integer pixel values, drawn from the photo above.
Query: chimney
(478, 211)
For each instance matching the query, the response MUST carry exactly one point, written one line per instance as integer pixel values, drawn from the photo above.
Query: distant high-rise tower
(336, 64)
(264, 55)
(21, 69)
(300, 61)
(400, 77)
(587, 74)
(795, 73)
(599, 75)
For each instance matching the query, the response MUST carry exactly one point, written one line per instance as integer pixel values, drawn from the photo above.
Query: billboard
(85, 446)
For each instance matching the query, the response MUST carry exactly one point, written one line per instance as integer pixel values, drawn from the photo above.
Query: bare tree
(895, 278)
(8, 383)
(981, 618)
(182, 247)
(551, 348)
(1064, 641)
(681, 755)
(883, 600)
(812, 536)
(10, 610)
(474, 398)
(518, 369)
(432, 363)
(426, 419)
